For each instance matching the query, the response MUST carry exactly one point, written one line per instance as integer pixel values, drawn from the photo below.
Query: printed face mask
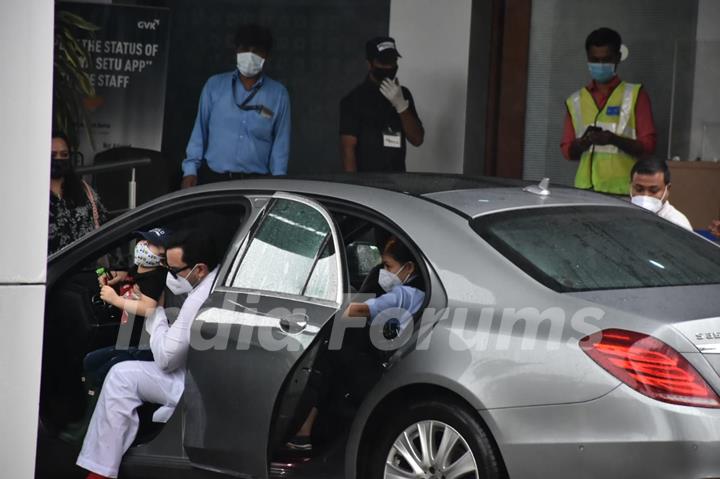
(145, 257)
(249, 64)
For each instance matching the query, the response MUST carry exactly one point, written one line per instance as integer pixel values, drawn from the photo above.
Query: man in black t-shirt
(378, 115)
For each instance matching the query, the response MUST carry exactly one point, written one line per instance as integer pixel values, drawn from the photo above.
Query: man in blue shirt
(242, 128)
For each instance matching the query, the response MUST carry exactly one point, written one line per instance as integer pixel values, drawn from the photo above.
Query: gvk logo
(148, 25)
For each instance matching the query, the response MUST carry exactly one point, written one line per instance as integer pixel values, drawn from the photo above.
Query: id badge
(392, 140)
(266, 112)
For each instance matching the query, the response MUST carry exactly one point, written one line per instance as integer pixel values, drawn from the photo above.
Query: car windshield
(592, 248)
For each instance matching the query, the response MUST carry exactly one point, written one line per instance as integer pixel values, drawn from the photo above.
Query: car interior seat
(371, 285)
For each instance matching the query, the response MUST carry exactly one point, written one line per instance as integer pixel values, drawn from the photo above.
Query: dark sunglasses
(174, 271)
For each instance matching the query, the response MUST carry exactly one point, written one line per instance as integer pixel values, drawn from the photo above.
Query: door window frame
(228, 274)
(115, 230)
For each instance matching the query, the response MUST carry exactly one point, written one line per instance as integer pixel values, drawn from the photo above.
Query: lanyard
(244, 105)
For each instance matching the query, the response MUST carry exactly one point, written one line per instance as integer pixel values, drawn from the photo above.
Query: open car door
(254, 342)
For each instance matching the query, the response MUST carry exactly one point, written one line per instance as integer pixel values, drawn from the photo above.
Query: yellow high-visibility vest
(605, 168)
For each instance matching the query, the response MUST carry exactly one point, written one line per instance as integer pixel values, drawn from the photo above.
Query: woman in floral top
(75, 208)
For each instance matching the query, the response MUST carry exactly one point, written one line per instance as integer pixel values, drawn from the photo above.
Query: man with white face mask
(650, 189)
(192, 264)
(242, 128)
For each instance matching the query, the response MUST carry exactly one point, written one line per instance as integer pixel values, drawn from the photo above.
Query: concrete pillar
(26, 47)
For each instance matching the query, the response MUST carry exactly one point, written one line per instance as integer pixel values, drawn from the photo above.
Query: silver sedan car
(564, 334)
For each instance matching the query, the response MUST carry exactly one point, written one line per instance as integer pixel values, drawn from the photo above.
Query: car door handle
(294, 323)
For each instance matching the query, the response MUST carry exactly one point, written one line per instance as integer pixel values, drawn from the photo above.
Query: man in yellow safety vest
(609, 123)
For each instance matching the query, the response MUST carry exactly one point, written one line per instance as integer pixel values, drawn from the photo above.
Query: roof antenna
(541, 189)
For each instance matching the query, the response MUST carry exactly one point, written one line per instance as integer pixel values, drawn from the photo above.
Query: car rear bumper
(621, 435)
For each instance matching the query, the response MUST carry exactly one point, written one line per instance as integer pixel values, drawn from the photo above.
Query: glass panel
(367, 256)
(282, 253)
(590, 248)
(324, 280)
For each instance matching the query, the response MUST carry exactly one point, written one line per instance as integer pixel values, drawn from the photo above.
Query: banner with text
(129, 70)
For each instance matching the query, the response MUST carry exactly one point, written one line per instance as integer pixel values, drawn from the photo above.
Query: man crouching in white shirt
(650, 189)
(192, 262)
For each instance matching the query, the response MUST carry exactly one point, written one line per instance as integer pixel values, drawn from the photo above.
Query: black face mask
(382, 73)
(58, 168)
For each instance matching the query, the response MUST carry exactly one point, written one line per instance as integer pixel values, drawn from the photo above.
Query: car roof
(468, 196)
(478, 202)
(416, 184)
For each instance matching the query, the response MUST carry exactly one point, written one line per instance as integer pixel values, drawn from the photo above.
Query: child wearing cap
(138, 294)
(147, 275)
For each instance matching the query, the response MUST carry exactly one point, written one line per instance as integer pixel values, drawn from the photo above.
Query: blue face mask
(602, 72)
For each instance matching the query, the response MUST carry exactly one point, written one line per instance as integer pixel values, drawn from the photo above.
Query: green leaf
(71, 82)
(77, 21)
(75, 49)
(85, 86)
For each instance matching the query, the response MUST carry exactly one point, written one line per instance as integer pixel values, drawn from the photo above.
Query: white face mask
(249, 64)
(388, 280)
(179, 285)
(144, 257)
(650, 203)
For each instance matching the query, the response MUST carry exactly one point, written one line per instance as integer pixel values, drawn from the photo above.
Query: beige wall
(433, 38)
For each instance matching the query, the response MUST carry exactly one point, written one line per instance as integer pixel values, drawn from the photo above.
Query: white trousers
(115, 422)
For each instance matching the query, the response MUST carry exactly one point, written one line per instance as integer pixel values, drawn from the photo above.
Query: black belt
(207, 175)
(239, 176)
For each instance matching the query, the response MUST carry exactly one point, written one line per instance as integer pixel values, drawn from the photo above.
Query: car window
(323, 282)
(291, 253)
(364, 256)
(592, 248)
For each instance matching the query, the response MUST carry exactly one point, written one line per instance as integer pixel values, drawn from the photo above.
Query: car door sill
(182, 465)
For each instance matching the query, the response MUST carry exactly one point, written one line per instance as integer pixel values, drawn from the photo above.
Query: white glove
(392, 90)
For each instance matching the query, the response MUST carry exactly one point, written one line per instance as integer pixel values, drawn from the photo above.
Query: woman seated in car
(399, 279)
(401, 283)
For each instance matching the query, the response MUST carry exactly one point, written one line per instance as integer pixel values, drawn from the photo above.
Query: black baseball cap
(156, 236)
(382, 49)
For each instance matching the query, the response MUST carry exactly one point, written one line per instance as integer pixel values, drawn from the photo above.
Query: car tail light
(649, 366)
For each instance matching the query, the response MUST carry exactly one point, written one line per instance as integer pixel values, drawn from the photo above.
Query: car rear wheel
(433, 440)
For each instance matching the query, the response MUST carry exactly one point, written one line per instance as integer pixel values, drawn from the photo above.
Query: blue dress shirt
(236, 140)
(400, 303)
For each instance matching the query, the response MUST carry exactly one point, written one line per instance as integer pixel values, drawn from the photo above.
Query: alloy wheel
(430, 450)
